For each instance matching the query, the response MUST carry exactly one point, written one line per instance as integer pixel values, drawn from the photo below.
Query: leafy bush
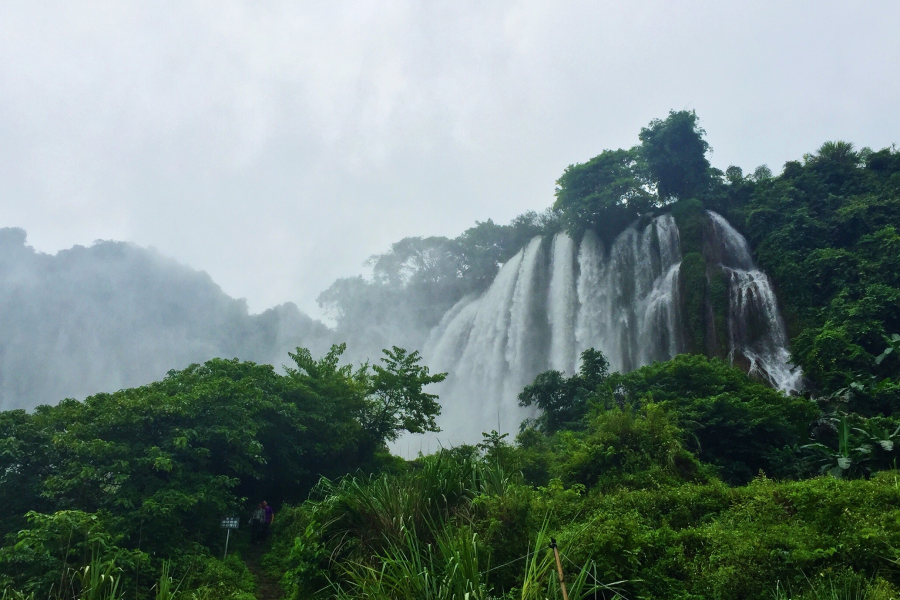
(738, 425)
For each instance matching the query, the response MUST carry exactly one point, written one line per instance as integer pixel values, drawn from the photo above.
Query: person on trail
(268, 517)
(256, 523)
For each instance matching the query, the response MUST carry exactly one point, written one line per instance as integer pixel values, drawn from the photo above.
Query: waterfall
(524, 328)
(558, 297)
(630, 308)
(542, 311)
(562, 304)
(591, 293)
(473, 343)
(756, 332)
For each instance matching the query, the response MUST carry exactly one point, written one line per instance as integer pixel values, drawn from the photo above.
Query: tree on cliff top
(611, 190)
(675, 154)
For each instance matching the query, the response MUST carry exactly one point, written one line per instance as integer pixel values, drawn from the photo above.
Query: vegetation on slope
(635, 488)
(145, 474)
(683, 479)
(825, 230)
(643, 461)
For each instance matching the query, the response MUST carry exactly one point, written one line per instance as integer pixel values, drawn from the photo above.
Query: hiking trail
(267, 587)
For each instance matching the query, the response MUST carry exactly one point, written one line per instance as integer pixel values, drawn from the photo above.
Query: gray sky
(276, 145)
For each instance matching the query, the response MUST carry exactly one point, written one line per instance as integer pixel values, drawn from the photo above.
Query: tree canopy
(161, 463)
(616, 187)
(675, 153)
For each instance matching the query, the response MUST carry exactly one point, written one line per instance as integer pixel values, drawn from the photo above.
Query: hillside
(114, 315)
(660, 457)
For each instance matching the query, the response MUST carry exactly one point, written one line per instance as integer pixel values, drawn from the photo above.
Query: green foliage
(203, 577)
(541, 582)
(626, 447)
(25, 450)
(419, 279)
(412, 570)
(655, 479)
(397, 401)
(845, 585)
(359, 522)
(71, 555)
(151, 470)
(849, 446)
(826, 231)
(675, 153)
(709, 541)
(424, 533)
(605, 194)
(664, 538)
(693, 287)
(57, 551)
(563, 401)
(738, 425)
(611, 190)
(703, 288)
(648, 425)
(691, 218)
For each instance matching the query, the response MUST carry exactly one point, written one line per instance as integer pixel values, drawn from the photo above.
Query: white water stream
(556, 298)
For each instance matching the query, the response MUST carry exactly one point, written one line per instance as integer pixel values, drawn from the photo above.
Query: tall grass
(411, 536)
(840, 586)
(364, 516)
(452, 569)
(166, 588)
(541, 578)
(97, 580)
(102, 580)
(10, 594)
(414, 570)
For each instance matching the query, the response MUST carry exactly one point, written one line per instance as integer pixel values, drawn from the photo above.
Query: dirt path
(267, 587)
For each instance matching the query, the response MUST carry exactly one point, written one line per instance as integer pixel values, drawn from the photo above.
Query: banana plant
(882, 441)
(848, 460)
(893, 346)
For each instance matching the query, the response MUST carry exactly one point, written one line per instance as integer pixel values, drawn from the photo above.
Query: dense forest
(681, 479)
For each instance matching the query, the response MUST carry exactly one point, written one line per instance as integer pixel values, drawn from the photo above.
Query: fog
(277, 145)
(248, 157)
(114, 315)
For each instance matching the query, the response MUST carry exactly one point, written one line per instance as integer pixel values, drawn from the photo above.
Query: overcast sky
(276, 145)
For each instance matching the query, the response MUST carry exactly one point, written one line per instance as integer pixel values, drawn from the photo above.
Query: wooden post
(562, 580)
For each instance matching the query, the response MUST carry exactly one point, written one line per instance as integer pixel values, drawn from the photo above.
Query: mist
(268, 151)
(113, 315)
(277, 146)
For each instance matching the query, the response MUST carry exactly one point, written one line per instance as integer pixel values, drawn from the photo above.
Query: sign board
(231, 522)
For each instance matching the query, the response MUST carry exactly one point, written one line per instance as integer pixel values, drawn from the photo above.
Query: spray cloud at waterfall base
(557, 297)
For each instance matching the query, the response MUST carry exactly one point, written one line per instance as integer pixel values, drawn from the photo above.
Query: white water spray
(562, 304)
(756, 330)
(542, 311)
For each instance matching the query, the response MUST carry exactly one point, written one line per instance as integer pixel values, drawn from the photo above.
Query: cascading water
(524, 325)
(556, 298)
(756, 332)
(540, 314)
(562, 304)
(630, 308)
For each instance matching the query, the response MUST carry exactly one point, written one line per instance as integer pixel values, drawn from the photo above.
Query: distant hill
(116, 315)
